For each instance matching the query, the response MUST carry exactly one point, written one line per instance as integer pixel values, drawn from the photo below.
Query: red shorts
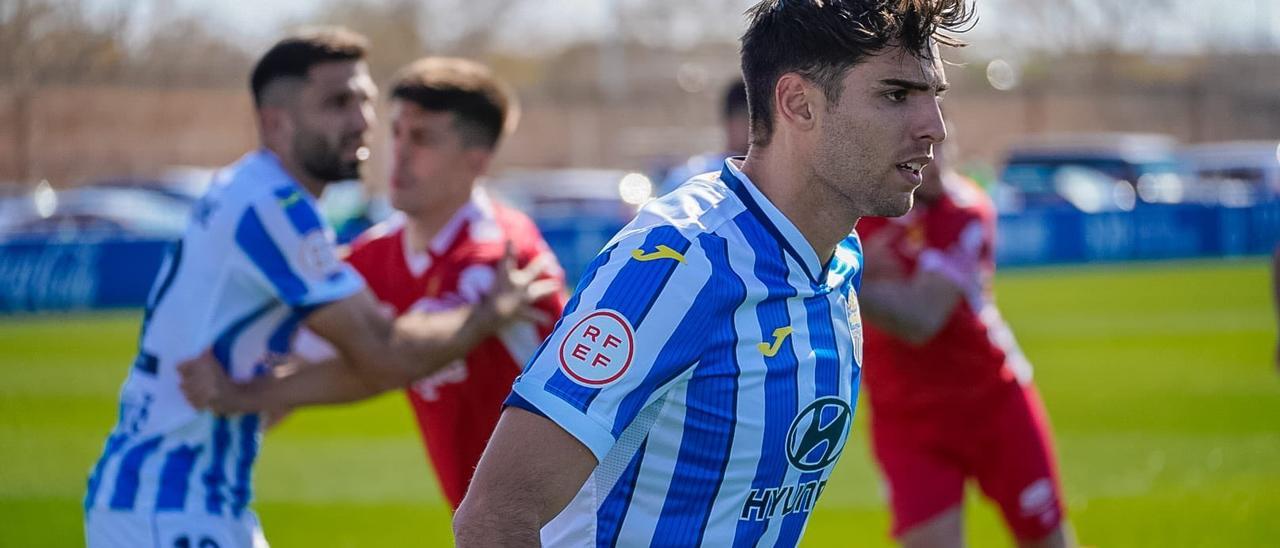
(1004, 444)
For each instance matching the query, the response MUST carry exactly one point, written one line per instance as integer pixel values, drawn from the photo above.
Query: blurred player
(700, 386)
(440, 251)
(737, 130)
(255, 263)
(951, 394)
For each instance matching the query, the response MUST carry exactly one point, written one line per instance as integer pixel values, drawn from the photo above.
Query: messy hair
(822, 39)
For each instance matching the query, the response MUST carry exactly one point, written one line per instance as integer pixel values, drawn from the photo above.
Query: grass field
(1158, 379)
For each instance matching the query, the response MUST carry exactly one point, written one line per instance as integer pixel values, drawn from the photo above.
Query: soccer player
(700, 386)
(951, 394)
(254, 264)
(737, 129)
(440, 251)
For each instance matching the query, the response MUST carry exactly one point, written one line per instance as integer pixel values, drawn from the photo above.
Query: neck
(795, 190)
(421, 228)
(312, 185)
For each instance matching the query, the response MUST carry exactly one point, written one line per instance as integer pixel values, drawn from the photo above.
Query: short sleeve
(634, 327)
(289, 250)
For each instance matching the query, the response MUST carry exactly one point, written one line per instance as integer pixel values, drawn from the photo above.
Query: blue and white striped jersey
(709, 361)
(254, 260)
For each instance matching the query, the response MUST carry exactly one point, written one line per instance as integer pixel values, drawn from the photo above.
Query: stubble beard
(324, 161)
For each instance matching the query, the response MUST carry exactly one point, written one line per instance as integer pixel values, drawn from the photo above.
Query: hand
(515, 290)
(207, 386)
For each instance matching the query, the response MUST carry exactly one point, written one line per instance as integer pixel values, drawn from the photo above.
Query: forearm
(912, 310)
(430, 341)
(327, 382)
(890, 306)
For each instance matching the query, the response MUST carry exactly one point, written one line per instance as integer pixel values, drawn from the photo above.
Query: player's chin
(895, 205)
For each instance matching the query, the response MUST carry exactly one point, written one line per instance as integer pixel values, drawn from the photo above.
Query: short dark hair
(484, 107)
(822, 39)
(293, 56)
(735, 99)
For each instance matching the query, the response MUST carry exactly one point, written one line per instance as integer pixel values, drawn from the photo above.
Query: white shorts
(111, 529)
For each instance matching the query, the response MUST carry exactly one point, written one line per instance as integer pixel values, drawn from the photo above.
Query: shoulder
(701, 206)
(377, 239)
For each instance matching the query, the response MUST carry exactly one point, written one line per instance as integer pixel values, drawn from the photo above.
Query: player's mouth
(910, 169)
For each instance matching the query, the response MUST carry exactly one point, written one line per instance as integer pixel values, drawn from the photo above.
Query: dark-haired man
(254, 264)
(700, 386)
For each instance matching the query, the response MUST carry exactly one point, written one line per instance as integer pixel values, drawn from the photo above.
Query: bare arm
(914, 309)
(375, 354)
(530, 471)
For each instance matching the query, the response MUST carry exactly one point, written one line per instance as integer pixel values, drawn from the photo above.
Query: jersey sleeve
(289, 251)
(633, 328)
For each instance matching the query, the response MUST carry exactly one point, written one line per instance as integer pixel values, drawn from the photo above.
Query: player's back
(253, 261)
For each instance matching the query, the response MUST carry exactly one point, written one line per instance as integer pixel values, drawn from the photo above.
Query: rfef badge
(598, 350)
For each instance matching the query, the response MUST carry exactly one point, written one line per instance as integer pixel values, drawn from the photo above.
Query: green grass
(1158, 377)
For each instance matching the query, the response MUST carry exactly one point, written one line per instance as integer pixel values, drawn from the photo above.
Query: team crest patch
(317, 253)
(598, 350)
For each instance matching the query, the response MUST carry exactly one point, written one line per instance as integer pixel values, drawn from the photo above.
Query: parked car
(1236, 173)
(1093, 172)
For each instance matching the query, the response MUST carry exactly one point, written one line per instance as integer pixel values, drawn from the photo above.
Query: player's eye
(897, 95)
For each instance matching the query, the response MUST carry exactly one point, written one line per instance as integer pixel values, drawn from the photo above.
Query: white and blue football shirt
(254, 260)
(708, 360)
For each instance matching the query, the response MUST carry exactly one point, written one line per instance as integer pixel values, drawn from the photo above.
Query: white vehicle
(1238, 172)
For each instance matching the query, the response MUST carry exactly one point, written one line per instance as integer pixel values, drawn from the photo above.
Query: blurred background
(1132, 148)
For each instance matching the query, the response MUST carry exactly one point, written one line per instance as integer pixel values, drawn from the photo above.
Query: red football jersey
(458, 407)
(974, 353)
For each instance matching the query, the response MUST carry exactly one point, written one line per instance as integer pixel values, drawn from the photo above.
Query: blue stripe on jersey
(750, 202)
(225, 343)
(282, 338)
(632, 293)
(243, 489)
(301, 215)
(710, 416)
(613, 511)
(827, 381)
(175, 478)
(257, 244)
(780, 379)
(215, 475)
(126, 489)
(685, 345)
(114, 443)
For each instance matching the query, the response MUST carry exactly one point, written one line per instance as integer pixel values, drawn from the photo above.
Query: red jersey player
(440, 251)
(951, 394)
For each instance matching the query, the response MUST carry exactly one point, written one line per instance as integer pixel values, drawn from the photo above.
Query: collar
(477, 215)
(772, 219)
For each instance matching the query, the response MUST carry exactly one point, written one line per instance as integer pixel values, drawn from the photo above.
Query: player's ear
(274, 120)
(795, 99)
